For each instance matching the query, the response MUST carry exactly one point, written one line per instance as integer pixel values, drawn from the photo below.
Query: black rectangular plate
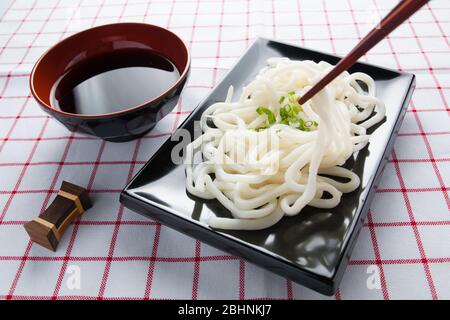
(311, 248)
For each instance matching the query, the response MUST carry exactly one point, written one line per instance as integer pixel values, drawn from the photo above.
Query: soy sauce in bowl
(113, 81)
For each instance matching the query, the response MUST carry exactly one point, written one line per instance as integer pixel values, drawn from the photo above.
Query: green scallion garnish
(270, 116)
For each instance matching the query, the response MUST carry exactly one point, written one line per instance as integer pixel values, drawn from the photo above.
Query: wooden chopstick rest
(47, 229)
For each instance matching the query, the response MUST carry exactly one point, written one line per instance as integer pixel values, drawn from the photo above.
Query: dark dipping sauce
(114, 81)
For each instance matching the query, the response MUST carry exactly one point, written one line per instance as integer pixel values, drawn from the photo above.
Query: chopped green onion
(261, 128)
(270, 116)
(293, 98)
(289, 114)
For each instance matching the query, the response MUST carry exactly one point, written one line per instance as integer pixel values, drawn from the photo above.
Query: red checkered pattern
(403, 250)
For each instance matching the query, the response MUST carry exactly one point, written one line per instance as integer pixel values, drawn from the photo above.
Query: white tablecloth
(403, 250)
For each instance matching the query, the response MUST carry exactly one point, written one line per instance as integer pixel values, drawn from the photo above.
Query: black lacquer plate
(311, 248)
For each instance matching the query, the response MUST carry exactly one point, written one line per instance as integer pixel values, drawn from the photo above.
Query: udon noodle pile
(265, 156)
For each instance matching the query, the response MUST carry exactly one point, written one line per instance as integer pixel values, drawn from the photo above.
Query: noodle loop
(265, 156)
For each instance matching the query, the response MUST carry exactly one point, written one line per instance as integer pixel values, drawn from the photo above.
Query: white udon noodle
(260, 176)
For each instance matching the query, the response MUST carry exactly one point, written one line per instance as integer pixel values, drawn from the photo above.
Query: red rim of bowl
(112, 114)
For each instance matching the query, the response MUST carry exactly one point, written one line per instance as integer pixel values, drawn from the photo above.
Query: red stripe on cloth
(240, 39)
(358, 33)
(51, 191)
(399, 261)
(19, 271)
(247, 23)
(196, 276)
(73, 137)
(419, 160)
(437, 23)
(381, 190)
(14, 33)
(199, 57)
(24, 117)
(225, 25)
(196, 272)
(406, 198)
(53, 185)
(409, 190)
(219, 43)
(76, 226)
(124, 259)
(159, 135)
(241, 279)
(274, 30)
(400, 178)
(430, 67)
(150, 273)
(116, 229)
(72, 163)
(436, 223)
(205, 1)
(80, 297)
(300, 22)
(411, 223)
(92, 223)
(28, 248)
(330, 33)
(22, 173)
(415, 230)
(121, 207)
(151, 268)
(377, 254)
(207, 259)
(7, 10)
(14, 124)
(36, 35)
(290, 290)
(333, 49)
(432, 160)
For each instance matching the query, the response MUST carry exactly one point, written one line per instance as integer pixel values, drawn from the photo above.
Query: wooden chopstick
(397, 16)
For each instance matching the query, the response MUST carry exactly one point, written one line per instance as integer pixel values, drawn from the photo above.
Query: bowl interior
(100, 40)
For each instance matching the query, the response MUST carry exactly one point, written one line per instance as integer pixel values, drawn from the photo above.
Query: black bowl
(126, 124)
